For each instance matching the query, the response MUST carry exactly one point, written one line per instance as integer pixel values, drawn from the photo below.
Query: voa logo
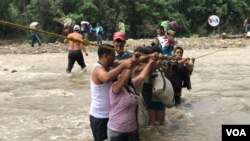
(236, 132)
(214, 20)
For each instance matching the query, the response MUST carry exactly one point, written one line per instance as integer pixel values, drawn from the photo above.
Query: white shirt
(100, 105)
(162, 40)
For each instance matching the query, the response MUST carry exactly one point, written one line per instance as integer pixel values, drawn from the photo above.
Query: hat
(119, 35)
(76, 28)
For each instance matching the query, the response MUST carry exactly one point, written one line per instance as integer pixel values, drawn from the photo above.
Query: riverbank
(12, 47)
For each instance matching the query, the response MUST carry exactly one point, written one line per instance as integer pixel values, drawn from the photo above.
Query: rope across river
(84, 41)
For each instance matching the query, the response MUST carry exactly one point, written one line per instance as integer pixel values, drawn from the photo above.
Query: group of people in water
(119, 76)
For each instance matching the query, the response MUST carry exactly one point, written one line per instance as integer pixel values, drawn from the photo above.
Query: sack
(33, 25)
(142, 112)
(248, 34)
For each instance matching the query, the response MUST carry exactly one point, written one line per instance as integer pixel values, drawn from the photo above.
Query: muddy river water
(40, 102)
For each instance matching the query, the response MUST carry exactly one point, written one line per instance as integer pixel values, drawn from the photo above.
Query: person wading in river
(75, 53)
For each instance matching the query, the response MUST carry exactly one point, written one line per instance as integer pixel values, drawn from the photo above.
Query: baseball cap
(119, 35)
(76, 28)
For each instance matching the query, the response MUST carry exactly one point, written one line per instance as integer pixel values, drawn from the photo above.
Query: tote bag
(142, 111)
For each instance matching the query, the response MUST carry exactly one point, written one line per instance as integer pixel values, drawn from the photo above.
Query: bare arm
(154, 56)
(141, 77)
(66, 40)
(245, 23)
(100, 75)
(82, 46)
(84, 49)
(123, 80)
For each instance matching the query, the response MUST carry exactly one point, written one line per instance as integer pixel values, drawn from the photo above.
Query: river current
(40, 102)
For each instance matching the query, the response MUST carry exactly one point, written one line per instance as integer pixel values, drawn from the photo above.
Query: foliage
(141, 17)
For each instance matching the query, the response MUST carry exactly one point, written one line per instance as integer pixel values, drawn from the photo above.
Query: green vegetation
(140, 16)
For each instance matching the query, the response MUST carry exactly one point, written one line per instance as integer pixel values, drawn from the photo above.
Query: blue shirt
(98, 30)
(123, 56)
(167, 50)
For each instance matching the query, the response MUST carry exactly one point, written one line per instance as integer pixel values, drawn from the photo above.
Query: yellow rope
(84, 41)
(210, 53)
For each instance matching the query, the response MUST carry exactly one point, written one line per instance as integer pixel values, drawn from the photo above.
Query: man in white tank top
(101, 79)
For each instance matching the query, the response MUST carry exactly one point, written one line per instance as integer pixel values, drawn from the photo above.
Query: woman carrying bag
(123, 123)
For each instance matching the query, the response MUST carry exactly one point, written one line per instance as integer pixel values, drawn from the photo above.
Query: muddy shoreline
(12, 47)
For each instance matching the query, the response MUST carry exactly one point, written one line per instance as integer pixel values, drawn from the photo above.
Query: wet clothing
(177, 99)
(75, 55)
(99, 128)
(147, 90)
(99, 109)
(100, 104)
(157, 106)
(152, 103)
(179, 78)
(122, 116)
(121, 136)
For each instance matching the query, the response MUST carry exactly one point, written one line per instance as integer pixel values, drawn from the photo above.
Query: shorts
(156, 105)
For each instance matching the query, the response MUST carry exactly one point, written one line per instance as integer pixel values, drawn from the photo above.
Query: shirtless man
(75, 53)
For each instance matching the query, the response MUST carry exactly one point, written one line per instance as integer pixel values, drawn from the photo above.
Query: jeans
(35, 39)
(99, 39)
